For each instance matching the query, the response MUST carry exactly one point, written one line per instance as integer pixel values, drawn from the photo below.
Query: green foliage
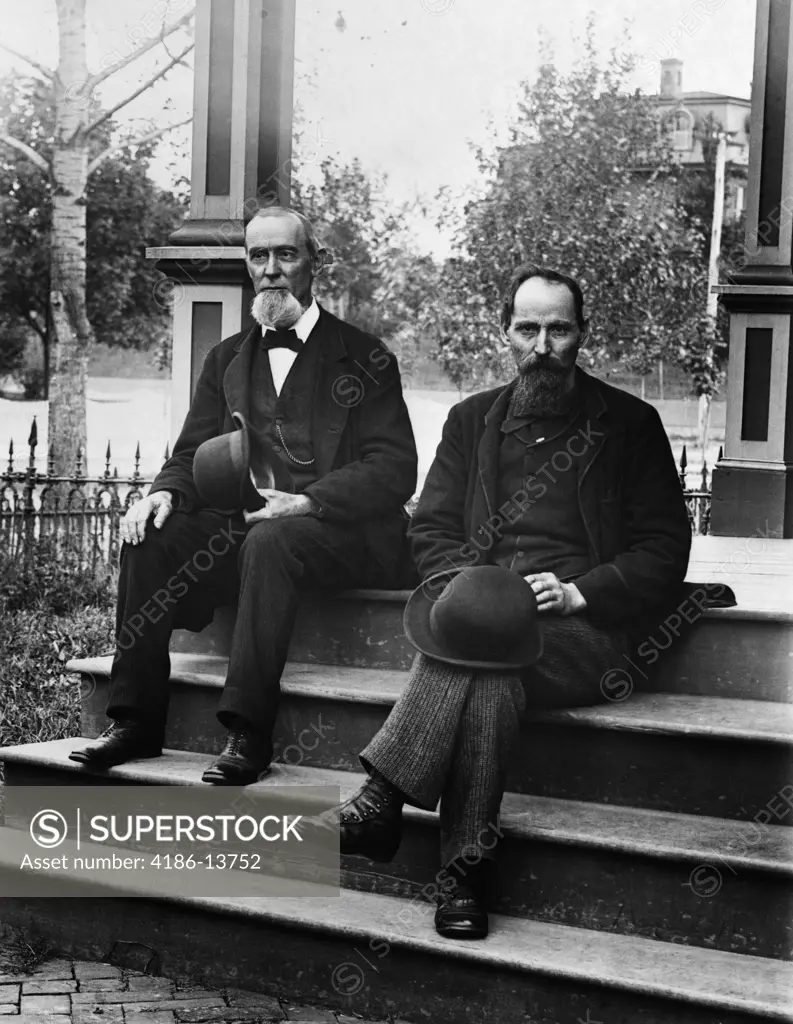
(408, 282)
(50, 612)
(46, 581)
(126, 212)
(587, 186)
(40, 700)
(32, 379)
(13, 339)
(344, 210)
(378, 280)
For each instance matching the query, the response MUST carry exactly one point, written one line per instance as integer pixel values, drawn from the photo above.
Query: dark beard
(541, 391)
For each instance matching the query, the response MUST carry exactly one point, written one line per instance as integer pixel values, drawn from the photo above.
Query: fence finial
(33, 440)
(136, 474)
(10, 469)
(683, 464)
(107, 461)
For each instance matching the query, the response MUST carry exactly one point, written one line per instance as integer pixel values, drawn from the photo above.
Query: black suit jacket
(629, 495)
(363, 441)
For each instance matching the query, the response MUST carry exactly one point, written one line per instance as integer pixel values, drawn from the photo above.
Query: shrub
(34, 382)
(45, 579)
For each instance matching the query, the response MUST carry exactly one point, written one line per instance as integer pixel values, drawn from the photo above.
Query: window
(680, 126)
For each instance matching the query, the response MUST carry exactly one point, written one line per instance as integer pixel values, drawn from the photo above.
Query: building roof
(702, 97)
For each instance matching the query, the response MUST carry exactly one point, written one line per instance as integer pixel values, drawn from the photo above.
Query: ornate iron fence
(79, 516)
(698, 501)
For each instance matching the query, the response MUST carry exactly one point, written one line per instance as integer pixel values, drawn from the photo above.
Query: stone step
(378, 955)
(700, 881)
(360, 628)
(649, 750)
(742, 652)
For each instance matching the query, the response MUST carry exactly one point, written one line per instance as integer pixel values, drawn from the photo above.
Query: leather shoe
(244, 759)
(125, 739)
(370, 822)
(462, 912)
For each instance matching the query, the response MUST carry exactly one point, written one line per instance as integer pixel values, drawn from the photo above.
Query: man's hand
(280, 504)
(133, 525)
(554, 597)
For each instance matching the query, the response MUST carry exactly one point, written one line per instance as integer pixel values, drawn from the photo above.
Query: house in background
(684, 115)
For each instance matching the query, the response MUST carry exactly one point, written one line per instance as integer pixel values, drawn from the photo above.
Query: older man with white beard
(326, 401)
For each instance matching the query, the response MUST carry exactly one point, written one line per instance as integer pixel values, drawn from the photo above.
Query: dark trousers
(204, 560)
(451, 734)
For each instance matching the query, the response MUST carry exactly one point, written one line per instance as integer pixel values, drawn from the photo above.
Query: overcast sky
(406, 85)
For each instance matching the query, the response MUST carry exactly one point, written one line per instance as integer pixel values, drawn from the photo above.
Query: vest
(284, 420)
(549, 535)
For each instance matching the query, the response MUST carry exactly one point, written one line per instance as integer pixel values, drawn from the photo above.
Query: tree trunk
(703, 424)
(46, 341)
(70, 335)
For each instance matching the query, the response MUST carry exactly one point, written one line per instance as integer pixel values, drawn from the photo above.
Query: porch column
(753, 484)
(242, 146)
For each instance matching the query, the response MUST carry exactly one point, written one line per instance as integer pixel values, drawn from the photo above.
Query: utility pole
(718, 221)
(712, 302)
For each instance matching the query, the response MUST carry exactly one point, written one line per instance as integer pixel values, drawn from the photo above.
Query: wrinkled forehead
(540, 300)
(274, 230)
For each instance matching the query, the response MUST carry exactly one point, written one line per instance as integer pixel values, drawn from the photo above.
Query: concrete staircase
(647, 865)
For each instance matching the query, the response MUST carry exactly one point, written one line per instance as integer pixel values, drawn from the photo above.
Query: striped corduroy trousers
(450, 735)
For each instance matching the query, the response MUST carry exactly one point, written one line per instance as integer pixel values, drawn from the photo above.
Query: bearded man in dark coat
(325, 400)
(570, 484)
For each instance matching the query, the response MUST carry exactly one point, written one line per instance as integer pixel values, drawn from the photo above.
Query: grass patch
(39, 699)
(49, 613)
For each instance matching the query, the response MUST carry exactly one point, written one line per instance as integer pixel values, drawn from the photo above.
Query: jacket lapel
(486, 489)
(237, 377)
(334, 393)
(590, 485)
(594, 408)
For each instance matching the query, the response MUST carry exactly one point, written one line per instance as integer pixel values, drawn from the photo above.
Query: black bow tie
(281, 339)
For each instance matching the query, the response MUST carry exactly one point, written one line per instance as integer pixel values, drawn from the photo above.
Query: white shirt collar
(305, 325)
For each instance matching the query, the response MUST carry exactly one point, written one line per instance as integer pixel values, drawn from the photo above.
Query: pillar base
(750, 501)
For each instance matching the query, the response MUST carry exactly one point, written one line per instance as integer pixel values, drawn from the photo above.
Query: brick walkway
(75, 992)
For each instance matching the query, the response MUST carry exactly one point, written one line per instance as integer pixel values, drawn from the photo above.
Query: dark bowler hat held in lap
(291, 471)
(552, 522)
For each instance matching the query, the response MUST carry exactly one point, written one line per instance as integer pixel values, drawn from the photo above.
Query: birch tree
(69, 169)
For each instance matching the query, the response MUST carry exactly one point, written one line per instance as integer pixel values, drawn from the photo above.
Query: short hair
(312, 242)
(526, 273)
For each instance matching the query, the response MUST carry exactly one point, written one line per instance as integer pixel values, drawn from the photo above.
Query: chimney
(672, 79)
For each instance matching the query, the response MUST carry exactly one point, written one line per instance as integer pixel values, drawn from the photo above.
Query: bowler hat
(484, 617)
(228, 468)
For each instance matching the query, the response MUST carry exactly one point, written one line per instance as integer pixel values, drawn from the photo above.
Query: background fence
(78, 517)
